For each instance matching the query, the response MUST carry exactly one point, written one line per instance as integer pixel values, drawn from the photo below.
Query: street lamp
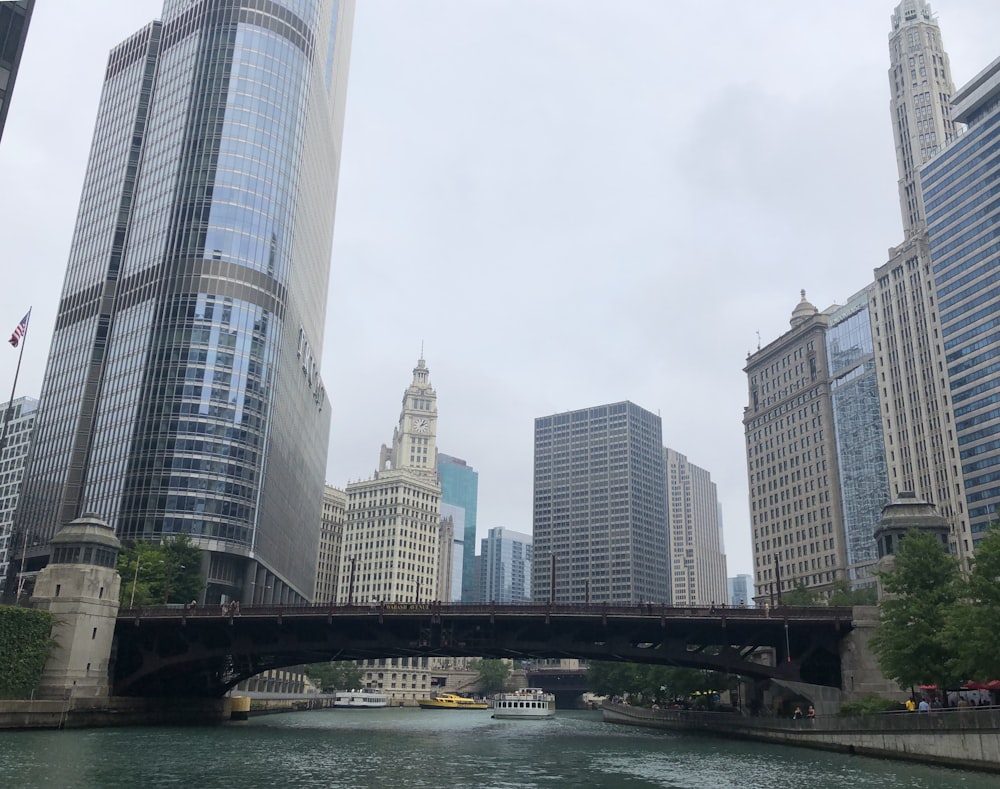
(135, 580)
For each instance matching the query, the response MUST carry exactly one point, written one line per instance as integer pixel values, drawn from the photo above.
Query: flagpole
(3, 441)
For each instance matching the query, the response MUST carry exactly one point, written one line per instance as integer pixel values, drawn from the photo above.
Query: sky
(564, 203)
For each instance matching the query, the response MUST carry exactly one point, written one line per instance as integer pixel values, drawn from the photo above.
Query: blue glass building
(864, 478)
(182, 393)
(961, 191)
(459, 497)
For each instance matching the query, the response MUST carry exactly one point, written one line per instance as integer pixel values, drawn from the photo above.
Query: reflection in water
(384, 749)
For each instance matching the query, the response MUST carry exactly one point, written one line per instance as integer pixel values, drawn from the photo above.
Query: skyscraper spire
(921, 87)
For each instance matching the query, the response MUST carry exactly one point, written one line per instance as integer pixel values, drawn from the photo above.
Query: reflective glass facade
(460, 490)
(864, 479)
(506, 567)
(182, 394)
(600, 507)
(14, 20)
(962, 199)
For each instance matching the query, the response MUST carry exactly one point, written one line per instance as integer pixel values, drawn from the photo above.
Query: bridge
(202, 652)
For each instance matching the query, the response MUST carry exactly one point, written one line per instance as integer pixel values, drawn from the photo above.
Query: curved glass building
(182, 393)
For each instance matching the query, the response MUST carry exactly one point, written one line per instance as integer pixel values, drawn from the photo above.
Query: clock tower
(414, 440)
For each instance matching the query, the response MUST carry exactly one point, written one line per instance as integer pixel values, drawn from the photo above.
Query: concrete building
(921, 88)
(741, 590)
(459, 500)
(331, 534)
(792, 465)
(962, 221)
(697, 553)
(446, 560)
(15, 438)
(505, 566)
(599, 526)
(920, 444)
(183, 393)
(14, 20)
(861, 464)
(392, 530)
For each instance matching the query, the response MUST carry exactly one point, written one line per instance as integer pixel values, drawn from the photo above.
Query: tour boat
(451, 701)
(524, 703)
(361, 699)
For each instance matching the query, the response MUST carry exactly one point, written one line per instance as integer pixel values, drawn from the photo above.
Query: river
(389, 748)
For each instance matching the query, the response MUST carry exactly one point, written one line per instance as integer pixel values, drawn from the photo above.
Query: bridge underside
(164, 653)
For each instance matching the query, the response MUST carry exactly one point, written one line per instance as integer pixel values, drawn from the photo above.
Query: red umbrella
(978, 685)
(928, 687)
(993, 685)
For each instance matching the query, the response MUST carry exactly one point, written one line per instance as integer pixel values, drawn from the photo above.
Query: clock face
(421, 425)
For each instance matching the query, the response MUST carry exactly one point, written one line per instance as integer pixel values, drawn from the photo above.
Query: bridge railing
(459, 609)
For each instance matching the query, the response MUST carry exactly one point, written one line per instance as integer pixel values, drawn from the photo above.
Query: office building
(697, 554)
(963, 218)
(14, 20)
(792, 464)
(392, 531)
(857, 422)
(505, 566)
(183, 393)
(600, 522)
(921, 88)
(331, 534)
(459, 498)
(18, 424)
(920, 443)
(741, 590)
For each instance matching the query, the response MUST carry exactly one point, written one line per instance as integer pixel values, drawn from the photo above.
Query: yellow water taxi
(451, 701)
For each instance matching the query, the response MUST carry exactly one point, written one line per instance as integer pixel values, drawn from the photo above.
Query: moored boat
(451, 701)
(524, 703)
(366, 698)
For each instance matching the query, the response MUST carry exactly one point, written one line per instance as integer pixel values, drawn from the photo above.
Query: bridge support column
(859, 669)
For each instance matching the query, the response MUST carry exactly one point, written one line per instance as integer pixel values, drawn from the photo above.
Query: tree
(911, 642)
(844, 595)
(160, 573)
(972, 630)
(493, 674)
(335, 675)
(800, 595)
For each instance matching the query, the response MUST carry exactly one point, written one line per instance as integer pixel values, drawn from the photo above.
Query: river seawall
(966, 738)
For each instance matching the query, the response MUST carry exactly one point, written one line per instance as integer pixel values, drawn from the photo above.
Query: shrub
(25, 644)
(872, 704)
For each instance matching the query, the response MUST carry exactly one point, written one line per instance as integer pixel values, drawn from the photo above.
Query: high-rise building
(459, 498)
(392, 532)
(697, 555)
(14, 20)
(962, 221)
(920, 444)
(741, 590)
(18, 417)
(505, 566)
(600, 523)
(792, 466)
(331, 534)
(921, 87)
(182, 393)
(861, 466)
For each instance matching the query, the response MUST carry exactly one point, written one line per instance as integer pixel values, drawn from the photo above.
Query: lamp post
(135, 580)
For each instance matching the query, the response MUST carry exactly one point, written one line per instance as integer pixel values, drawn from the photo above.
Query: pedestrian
(923, 706)
(811, 712)
(911, 705)
(797, 715)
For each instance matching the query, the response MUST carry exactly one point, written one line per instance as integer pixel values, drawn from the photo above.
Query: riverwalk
(964, 738)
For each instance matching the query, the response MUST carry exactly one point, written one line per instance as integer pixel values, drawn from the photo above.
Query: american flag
(20, 331)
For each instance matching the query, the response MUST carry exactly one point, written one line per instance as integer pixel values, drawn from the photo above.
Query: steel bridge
(203, 652)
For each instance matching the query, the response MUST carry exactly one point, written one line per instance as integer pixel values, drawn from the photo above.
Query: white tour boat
(524, 703)
(361, 699)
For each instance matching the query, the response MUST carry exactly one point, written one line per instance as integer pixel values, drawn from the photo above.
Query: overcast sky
(566, 202)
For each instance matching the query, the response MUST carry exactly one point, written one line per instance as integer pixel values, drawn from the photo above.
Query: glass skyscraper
(14, 20)
(864, 480)
(505, 567)
(459, 498)
(182, 393)
(962, 202)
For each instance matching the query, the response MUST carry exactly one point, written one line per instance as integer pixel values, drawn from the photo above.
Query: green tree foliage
(973, 630)
(25, 644)
(800, 595)
(335, 675)
(844, 595)
(911, 642)
(493, 674)
(872, 704)
(651, 682)
(160, 573)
